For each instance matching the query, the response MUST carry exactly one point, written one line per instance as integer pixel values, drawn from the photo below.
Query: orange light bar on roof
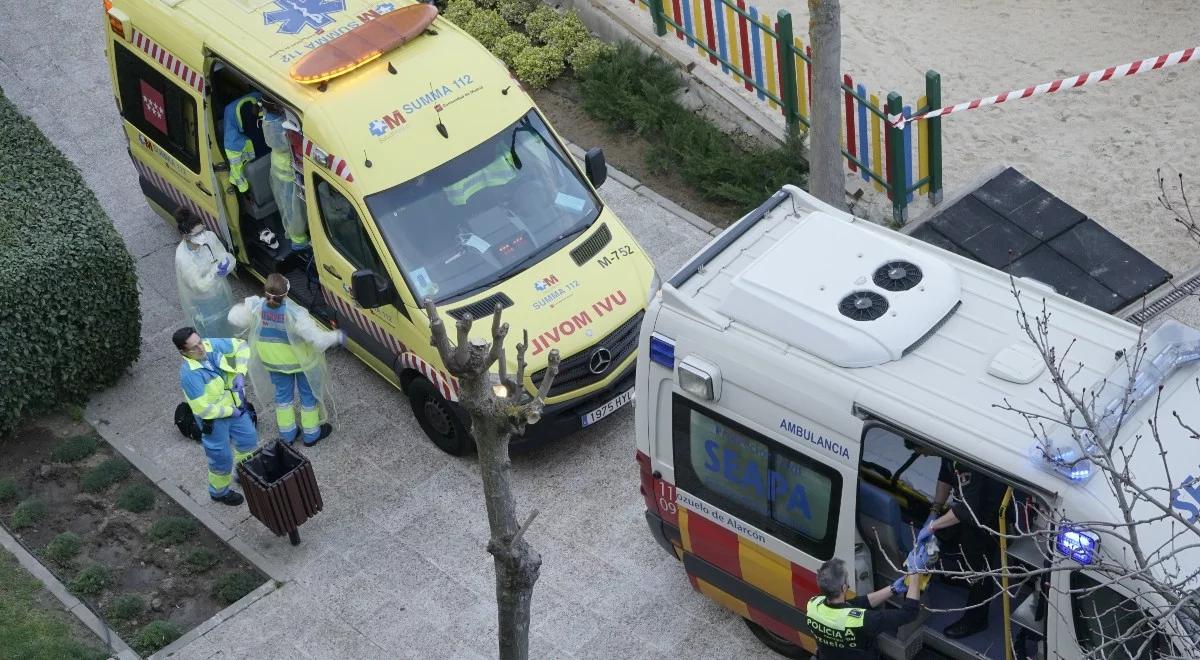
(363, 44)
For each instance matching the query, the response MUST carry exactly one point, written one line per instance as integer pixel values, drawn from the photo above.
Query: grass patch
(90, 581)
(8, 490)
(634, 91)
(201, 560)
(63, 548)
(28, 513)
(155, 635)
(172, 530)
(104, 475)
(231, 587)
(75, 448)
(30, 630)
(136, 498)
(126, 607)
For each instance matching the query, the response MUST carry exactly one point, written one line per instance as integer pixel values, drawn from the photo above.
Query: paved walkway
(395, 565)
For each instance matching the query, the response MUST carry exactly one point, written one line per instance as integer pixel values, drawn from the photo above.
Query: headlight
(655, 285)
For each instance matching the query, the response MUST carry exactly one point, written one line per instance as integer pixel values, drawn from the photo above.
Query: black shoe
(230, 498)
(326, 429)
(964, 628)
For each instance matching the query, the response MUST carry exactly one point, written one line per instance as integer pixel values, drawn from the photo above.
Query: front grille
(592, 246)
(574, 372)
(482, 308)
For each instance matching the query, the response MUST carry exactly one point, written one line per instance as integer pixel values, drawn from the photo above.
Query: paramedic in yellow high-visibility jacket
(213, 376)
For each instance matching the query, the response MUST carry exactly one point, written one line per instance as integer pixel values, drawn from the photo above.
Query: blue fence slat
(687, 21)
(722, 39)
(908, 154)
(864, 151)
(756, 39)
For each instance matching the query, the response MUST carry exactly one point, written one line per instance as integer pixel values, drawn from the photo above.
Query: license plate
(612, 406)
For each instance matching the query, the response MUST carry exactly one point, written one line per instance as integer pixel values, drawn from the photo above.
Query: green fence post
(895, 108)
(787, 70)
(656, 12)
(933, 94)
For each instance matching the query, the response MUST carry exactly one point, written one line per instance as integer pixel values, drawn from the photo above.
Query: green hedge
(68, 286)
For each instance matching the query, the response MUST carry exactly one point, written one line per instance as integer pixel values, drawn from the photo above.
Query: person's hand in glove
(900, 586)
(926, 529)
(223, 267)
(918, 559)
(239, 383)
(341, 337)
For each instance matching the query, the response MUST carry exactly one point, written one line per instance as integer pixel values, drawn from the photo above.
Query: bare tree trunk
(825, 179)
(498, 409)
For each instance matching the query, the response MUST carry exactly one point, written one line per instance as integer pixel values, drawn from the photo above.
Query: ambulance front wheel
(439, 419)
(776, 643)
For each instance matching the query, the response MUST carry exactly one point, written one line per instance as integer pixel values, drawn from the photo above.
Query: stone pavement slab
(395, 566)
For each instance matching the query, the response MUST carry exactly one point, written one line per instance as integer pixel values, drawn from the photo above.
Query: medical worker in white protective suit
(202, 266)
(283, 177)
(287, 353)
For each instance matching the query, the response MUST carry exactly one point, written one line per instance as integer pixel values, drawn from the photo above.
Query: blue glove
(237, 412)
(223, 267)
(926, 530)
(341, 337)
(239, 383)
(918, 559)
(900, 586)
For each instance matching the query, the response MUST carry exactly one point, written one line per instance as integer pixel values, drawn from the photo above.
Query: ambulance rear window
(160, 109)
(748, 475)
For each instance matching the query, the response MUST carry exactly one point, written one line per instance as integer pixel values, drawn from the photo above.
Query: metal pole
(787, 70)
(656, 12)
(1008, 645)
(933, 94)
(895, 108)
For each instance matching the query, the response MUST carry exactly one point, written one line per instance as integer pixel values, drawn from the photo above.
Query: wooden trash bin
(281, 489)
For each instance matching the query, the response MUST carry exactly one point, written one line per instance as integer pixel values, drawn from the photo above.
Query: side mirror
(368, 291)
(595, 167)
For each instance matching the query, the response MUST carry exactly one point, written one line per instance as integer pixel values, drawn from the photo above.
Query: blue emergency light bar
(1077, 543)
(662, 350)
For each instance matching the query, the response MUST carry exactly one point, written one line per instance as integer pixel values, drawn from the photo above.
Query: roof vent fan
(897, 276)
(863, 306)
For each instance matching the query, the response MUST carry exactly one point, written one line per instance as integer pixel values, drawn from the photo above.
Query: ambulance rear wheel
(439, 419)
(776, 643)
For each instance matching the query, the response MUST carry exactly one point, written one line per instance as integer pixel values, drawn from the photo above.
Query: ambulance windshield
(487, 214)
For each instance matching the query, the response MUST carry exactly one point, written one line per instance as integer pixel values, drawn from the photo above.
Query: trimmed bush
(231, 587)
(539, 66)
(589, 52)
(460, 11)
(75, 448)
(538, 21)
(510, 46)
(136, 498)
(63, 548)
(90, 581)
(8, 490)
(126, 607)
(515, 11)
(172, 530)
(566, 33)
(56, 244)
(104, 475)
(487, 26)
(28, 513)
(155, 635)
(201, 560)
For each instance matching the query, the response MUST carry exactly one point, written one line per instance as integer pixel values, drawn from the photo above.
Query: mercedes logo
(600, 361)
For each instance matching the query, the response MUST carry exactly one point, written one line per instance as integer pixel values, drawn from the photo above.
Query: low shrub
(201, 560)
(460, 11)
(126, 607)
(104, 475)
(155, 635)
(63, 548)
(90, 581)
(8, 490)
(231, 587)
(516, 11)
(538, 21)
(75, 448)
(172, 530)
(28, 513)
(136, 498)
(566, 33)
(589, 52)
(487, 26)
(538, 66)
(510, 46)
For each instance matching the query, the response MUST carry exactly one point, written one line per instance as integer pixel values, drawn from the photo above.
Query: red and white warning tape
(335, 164)
(1082, 80)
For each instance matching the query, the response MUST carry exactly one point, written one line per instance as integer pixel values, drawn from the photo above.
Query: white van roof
(935, 347)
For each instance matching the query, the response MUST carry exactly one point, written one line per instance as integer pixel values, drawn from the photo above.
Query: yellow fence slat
(735, 51)
(922, 142)
(801, 80)
(700, 27)
(770, 72)
(880, 168)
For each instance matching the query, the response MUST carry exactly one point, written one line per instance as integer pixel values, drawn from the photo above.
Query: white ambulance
(798, 381)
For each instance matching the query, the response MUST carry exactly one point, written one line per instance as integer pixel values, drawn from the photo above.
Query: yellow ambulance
(376, 155)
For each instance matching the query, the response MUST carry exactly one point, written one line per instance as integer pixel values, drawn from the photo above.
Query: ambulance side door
(165, 129)
(342, 245)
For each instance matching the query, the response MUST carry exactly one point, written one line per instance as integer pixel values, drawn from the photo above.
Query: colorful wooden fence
(774, 64)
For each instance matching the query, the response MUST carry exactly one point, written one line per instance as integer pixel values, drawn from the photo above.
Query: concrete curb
(73, 605)
(216, 620)
(645, 191)
(227, 535)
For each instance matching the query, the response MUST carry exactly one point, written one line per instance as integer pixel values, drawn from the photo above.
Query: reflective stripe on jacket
(238, 149)
(206, 383)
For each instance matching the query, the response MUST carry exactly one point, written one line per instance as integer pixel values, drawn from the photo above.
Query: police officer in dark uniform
(847, 629)
(968, 521)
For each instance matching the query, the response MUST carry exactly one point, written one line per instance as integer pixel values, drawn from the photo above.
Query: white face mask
(196, 238)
